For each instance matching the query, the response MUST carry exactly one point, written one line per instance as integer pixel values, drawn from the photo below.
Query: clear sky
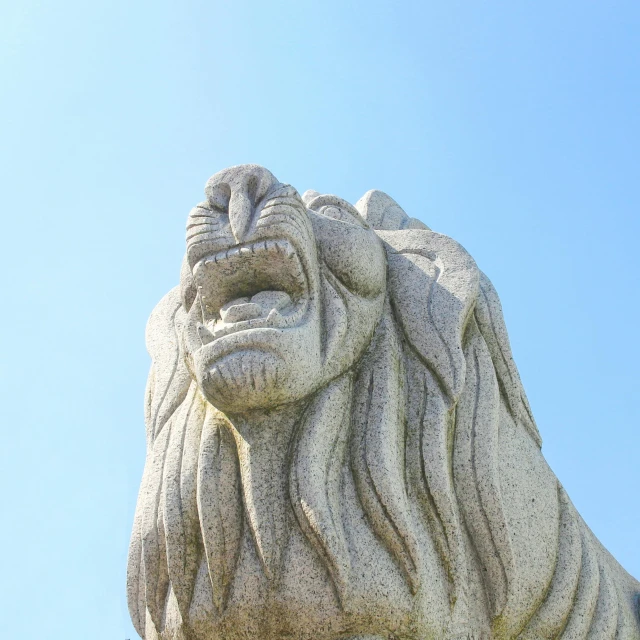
(511, 126)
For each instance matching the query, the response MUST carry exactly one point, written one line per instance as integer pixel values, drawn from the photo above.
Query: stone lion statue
(339, 444)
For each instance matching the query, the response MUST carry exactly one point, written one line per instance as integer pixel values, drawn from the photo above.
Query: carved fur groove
(339, 444)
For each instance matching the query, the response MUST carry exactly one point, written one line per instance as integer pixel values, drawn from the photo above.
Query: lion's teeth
(282, 247)
(272, 315)
(221, 255)
(205, 335)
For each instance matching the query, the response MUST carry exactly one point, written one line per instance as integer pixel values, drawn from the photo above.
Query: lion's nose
(245, 185)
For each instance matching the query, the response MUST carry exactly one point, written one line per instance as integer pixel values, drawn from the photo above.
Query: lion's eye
(338, 213)
(335, 208)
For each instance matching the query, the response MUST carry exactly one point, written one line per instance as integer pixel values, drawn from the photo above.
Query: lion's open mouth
(261, 284)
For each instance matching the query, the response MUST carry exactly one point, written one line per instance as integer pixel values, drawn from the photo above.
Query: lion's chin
(248, 379)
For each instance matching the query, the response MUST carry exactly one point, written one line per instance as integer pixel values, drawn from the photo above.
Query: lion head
(359, 354)
(281, 297)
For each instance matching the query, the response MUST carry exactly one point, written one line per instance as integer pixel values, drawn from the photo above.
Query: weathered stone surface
(339, 444)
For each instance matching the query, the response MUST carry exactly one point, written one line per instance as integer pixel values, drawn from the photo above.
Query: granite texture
(339, 444)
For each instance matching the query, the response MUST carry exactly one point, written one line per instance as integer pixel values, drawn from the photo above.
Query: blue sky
(511, 126)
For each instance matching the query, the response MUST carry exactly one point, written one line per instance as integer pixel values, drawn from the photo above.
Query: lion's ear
(383, 213)
(433, 285)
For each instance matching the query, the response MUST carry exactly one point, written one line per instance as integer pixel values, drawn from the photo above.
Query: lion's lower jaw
(248, 378)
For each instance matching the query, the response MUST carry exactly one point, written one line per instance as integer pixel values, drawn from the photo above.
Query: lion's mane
(416, 423)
